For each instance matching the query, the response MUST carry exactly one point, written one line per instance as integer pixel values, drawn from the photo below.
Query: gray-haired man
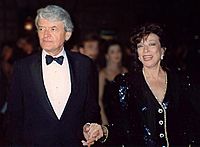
(54, 92)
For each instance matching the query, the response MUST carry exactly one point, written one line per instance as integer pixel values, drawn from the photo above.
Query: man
(89, 46)
(53, 93)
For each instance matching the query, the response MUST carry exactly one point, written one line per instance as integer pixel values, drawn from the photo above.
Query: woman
(113, 67)
(157, 94)
(160, 100)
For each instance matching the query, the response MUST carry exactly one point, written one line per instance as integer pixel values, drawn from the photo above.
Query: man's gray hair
(55, 13)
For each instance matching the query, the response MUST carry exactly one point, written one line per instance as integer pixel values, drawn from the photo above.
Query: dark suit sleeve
(92, 109)
(14, 114)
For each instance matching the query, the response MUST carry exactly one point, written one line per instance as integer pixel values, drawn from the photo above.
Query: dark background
(117, 17)
(181, 17)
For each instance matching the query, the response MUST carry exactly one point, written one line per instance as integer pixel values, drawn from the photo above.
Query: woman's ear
(163, 49)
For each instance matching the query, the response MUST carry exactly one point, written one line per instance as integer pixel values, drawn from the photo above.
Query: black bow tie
(50, 59)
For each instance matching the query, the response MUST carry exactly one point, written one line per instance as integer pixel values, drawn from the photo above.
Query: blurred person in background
(75, 48)
(26, 46)
(6, 69)
(7, 54)
(89, 46)
(113, 66)
(6, 63)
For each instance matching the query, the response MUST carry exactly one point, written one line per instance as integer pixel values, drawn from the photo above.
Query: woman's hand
(92, 132)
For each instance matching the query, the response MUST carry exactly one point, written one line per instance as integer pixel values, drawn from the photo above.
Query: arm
(101, 92)
(94, 132)
(92, 110)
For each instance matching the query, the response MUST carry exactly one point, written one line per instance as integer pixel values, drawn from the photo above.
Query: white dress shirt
(57, 82)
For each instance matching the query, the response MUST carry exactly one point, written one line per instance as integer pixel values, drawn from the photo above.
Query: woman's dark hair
(110, 43)
(142, 33)
(105, 48)
(144, 30)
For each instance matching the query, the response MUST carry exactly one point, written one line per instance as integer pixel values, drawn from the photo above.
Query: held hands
(92, 132)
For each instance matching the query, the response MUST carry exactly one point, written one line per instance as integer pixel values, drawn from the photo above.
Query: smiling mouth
(147, 57)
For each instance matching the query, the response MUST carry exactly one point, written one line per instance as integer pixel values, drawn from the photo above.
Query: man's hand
(92, 132)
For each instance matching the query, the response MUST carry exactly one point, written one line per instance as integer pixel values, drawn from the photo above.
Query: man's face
(52, 35)
(91, 49)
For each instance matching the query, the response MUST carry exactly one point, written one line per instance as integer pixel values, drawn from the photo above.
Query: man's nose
(46, 33)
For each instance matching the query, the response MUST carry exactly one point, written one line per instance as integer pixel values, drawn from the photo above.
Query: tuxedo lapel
(36, 74)
(73, 65)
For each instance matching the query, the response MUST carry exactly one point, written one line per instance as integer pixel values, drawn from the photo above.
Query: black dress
(116, 108)
(107, 98)
(151, 123)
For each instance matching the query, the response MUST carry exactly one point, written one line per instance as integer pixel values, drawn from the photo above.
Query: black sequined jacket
(139, 120)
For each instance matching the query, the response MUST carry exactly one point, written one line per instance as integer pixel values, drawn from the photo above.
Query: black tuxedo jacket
(31, 119)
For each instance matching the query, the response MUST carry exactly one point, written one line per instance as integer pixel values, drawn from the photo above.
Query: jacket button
(161, 135)
(160, 110)
(160, 122)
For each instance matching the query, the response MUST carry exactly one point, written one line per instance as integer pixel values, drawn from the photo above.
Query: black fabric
(143, 113)
(49, 59)
(31, 120)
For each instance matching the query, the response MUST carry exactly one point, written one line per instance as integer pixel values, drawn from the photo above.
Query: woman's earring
(162, 56)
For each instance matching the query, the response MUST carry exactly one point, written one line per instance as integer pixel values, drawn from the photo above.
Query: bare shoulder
(102, 73)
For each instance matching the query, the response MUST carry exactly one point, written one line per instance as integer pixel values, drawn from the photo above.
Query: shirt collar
(62, 53)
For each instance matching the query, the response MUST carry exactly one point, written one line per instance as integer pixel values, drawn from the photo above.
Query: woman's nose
(146, 48)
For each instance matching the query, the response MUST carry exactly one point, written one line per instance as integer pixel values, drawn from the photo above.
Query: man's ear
(67, 35)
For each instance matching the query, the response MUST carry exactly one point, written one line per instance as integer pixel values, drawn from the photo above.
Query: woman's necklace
(160, 100)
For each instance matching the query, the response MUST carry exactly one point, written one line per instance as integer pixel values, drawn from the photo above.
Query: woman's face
(149, 51)
(114, 54)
